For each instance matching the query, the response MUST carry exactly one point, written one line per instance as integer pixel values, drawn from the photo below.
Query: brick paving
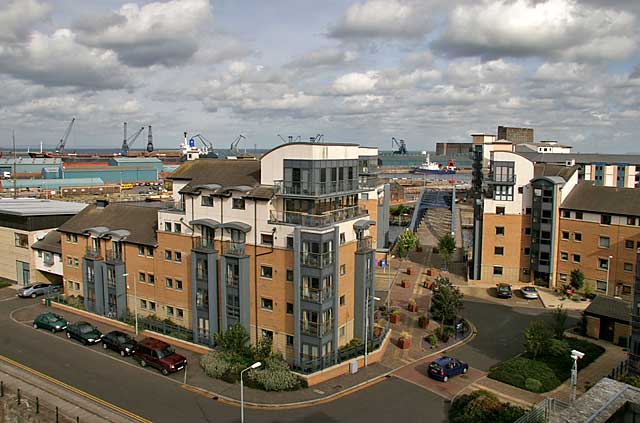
(416, 373)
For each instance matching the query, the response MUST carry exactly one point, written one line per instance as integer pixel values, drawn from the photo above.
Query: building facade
(516, 135)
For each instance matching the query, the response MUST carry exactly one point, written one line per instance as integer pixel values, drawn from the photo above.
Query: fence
(620, 371)
(543, 411)
(15, 406)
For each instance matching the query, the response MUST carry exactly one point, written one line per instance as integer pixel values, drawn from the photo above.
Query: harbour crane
(290, 139)
(127, 143)
(149, 141)
(208, 147)
(234, 144)
(402, 146)
(65, 137)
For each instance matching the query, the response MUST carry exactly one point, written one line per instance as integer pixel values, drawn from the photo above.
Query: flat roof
(38, 207)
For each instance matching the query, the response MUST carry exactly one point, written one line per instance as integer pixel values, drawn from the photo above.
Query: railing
(316, 295)
(233, 248)
(543, 411)
(200, 243)
(317, 220)
(493, 179)
(316, 260)
(93, 253)
(112, 256)
(316, 329)
(365, 243)
(176, 206)
(314, 189)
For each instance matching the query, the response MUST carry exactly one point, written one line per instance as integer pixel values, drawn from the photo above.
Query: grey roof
(226, 173)
(613, 308)
(587, 196)
(582, 158)
(50, 243)
(210, 223)
(547, 169)
(139, 220)
(38, 207)
(240, 226)
(363, 224)
(262, 192)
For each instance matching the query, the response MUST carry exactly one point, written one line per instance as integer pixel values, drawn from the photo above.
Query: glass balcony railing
(207, 244)
(93, 253)
(316, 329)
(316, 295)
(318, 188)
(233, 248)
(112, 256)
(316, 260)
(317, 220)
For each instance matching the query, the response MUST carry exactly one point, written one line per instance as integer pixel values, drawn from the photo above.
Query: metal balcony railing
(316, 329)
(316, 295)
(93, 253)
(365, 243)
(114, 257)
(316, 260)
(233, 248)
(317, 220)
(207, 244)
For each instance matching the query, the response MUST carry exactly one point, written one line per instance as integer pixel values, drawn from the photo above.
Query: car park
(160, 355)
(445, 367)
(84, 332)
(529, 292)
(50, 321)
(504, 290)
(36, 289)
(120, 342)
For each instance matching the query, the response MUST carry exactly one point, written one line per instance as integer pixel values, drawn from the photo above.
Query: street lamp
(608, 270)
(366, 328)
(135, 300)
(253, 366)
(575, 355)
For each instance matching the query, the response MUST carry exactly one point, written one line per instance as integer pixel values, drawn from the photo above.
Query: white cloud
(355, 83)
(325, 57)
(17, 18)
(562, 71)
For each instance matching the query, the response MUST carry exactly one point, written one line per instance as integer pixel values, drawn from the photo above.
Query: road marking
(9, 298)
(76, 390)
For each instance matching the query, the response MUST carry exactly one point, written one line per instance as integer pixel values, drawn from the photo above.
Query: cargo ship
(433, 168)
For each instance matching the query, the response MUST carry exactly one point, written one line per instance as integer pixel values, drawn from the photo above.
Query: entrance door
(606, 329)
(23, 275)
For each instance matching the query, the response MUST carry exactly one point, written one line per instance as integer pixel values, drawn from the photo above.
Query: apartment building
(283, 245)
(47, 256)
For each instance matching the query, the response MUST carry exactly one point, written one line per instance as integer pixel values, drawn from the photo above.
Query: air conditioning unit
(570, 163)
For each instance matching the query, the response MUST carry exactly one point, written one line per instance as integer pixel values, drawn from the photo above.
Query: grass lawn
(546, 372)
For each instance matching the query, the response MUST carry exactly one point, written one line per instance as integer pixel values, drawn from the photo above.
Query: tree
(446, 302)
(577, 279)
(536, 339)
(446, 246)
(407, 241)
(234, 340)
(558, 322)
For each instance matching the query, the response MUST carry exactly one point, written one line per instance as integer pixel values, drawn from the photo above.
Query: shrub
(482, 407)
(558, 322)
(215, 364)
(536, 339)
(234, 339)
(433, 340)
(517, 370)
(558, 348)
(533, 385)
(274, 375)
(577, 279)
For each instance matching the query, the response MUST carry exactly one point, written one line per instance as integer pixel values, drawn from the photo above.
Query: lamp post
(575, 355)
(135, 301)
(608, 271)
(366, 327)
(253, 366)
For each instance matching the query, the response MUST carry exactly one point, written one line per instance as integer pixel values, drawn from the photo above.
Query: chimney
(101, 203)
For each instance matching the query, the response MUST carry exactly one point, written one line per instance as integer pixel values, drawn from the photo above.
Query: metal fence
(28, 408)
(543, 411)
(620, 371)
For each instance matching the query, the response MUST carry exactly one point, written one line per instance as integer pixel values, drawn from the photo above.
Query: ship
(433, 168)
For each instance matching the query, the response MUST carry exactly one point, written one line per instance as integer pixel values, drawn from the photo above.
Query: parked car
(445, 367)
(84, 332)
(50, 321)
(36, 289)
(529, 292)
(504, 290)
(160, 355)
(120, 342)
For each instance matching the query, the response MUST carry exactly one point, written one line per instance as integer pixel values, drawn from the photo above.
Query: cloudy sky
(356, 71)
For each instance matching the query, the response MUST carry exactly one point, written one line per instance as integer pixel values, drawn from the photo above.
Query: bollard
(77, 419)
(18, 396)
(37, 405)
(56, 414)
(1, 389)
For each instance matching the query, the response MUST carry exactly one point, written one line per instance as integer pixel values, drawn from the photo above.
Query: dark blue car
(445, 367)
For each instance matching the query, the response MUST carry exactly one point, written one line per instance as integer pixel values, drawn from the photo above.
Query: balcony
(206, 245)
(316, 260)
(93, 253)
(47, 260)
(306, 189)
(233, 248)
(317, 220)
(233, 281)
(365, 243)
(501, 179)
(315, 329)
(316, 295)
(113, 257)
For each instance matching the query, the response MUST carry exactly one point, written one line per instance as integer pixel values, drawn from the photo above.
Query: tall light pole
(366, 327)
(608, 271)
(135, 300)
(575, 355)
(253, 366)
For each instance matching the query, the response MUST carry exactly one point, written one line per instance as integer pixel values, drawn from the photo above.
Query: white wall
(523, 170)
(56, 268)
(568, 186)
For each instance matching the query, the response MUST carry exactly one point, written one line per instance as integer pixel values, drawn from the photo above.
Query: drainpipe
(255, 260)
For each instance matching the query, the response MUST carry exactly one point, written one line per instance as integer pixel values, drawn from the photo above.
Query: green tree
(234, 340)
(558, 322)
(446, 302)
(407, 241)
(536, 339)
(577, 279)
(446, 247)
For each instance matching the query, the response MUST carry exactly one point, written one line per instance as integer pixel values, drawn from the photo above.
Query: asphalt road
(161, 399)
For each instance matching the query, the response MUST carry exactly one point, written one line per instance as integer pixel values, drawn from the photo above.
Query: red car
(160, 355)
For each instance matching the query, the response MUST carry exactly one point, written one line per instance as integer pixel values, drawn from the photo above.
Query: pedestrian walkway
(506, 392)
(551, 299)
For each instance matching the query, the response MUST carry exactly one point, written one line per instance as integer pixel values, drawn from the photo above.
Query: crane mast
(63, 141)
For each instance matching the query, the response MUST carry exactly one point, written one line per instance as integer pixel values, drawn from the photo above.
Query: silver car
(529, 292)
(37, 289)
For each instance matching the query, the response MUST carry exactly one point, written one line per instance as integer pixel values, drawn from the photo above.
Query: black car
(120, 342)
(84, 332)
(504, 290)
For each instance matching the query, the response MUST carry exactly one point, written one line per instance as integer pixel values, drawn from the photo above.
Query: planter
(405, 283)
(409, 271)
(419, 248)
(394, 318)
(423, 322)
(377, 331)
(412, 308)
(404, 343)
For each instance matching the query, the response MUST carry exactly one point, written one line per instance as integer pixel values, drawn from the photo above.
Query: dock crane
(290, 139)
(149, 141)
(127, 143)
(402, 146)
(234, 144)
(208, 147)
(63, 141)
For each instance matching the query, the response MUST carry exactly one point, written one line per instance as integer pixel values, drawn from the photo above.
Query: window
(343, 269)
(290, 242)
(207, 201)
(342, 331)
(180, 313)
(238, 203)
(170, 311)
(605, 219)
(267, 334)
(151, 279)
(178, 284)
(177, 256)
(527, 211)
(628, 243)
(140, 250)
(289, 275)
(266, 239)
(167, 255)
(498, 251)
(577, 237)
(77, 286)
(564, 256)
(628, 267)
(499, 230)
(626, 289)
(604, 242)
(152, 306)
(74, 238)
(70, 284)
(168, 283)
(68, 237)
(601, 286)
(566, 214)
(526, 251)
(69, 261)
(342, 300)
(266, 272)
(497, 270)
(167, 226)
(520, 190)
(266, 303)
(603, 263)
(76, 262)
(631, 220)
(364, 196)
(563, 277)
(143, 304)
(289, 308)
(149, 251)
(289, 340)
(503, 193)
(22, 240)
(576, 258)
(579, 215)
(343, 238)
(565, 234)
(177, 227)
(500, 211)
(527, 231)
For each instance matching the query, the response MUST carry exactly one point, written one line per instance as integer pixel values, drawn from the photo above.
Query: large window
(503, 172)
(22, 240)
